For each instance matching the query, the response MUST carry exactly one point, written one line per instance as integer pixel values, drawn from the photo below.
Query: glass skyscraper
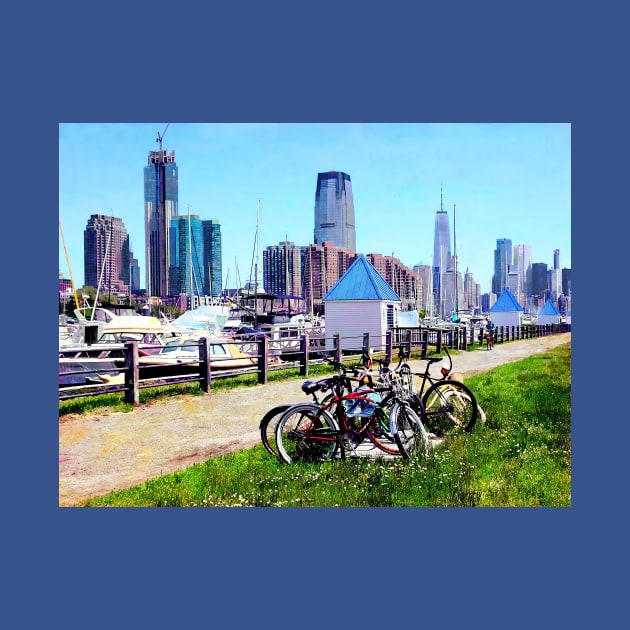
(502, 264)
(160, 206)
(441, 259)
(212, 258)
(186, 272)
(334, 210)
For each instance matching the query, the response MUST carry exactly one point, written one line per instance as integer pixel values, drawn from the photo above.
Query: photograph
(314, 315)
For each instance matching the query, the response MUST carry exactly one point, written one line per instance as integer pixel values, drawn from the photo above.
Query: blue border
(165, 568)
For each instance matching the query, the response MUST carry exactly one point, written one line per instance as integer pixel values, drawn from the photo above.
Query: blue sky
(506, 181)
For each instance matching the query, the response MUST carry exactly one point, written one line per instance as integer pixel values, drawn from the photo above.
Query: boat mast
(310, 281)
(256, 254)
(100, 280)
(74, 291)
(455, 256)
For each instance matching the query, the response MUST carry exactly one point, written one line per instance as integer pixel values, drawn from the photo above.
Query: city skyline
(506, 181)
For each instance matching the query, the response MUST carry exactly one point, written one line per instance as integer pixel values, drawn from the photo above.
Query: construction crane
(160, 137)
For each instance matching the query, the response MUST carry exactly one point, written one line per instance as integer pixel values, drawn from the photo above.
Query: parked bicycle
(344, 420)
(445, 405)
(269, 421)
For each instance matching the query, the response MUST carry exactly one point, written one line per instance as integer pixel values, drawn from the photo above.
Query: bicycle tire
(268, 428)
(379, 433)
(450, 407)
(306, 433)
(409, 432)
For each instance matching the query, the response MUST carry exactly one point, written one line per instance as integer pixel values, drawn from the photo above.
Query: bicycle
(447, 406)
(307, 433)
(489, 339)
(269, 421)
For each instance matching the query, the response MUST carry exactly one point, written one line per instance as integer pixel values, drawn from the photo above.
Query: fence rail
(137, 376)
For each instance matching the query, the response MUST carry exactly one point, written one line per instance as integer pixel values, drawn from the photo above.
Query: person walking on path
(490, 330)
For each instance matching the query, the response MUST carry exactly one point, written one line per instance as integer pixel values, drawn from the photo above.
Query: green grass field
(520, 457)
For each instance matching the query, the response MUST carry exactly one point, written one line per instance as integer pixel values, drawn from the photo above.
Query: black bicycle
(446, 406)
(344, 419)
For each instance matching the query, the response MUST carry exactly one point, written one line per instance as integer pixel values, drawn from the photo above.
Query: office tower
(399, 277)
(502, 263)
(323, 265)
(424, 273)
(160, 206)
(106, 254)
(134, 274)
(566, 281)
(283, 269)
(441, 258)
(539, 279)
(186, 272)
(334, 210)
(523, 265)
(212, 259)
(555, 276)
(472, 291)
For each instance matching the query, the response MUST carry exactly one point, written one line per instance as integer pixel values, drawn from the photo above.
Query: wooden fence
(137, 377)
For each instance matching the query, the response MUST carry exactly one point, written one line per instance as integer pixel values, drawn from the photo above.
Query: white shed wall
(352, 318)
(506, 318)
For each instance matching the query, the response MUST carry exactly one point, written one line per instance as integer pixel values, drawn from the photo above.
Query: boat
(88, 371)
(181, 356)
(205, 320)
(146, 330)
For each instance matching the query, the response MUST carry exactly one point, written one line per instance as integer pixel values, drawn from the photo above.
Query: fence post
(425, 342)
(263, 360)
(438, 341)
(388, 346)
(304, 348)
(204, 366)
(408, 342)
(337, 347)
(132, 373)
(366, 344)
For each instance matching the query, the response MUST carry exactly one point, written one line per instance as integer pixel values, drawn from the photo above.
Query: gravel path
(104, 452)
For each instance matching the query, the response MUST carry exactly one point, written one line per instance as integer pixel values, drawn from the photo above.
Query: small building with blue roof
(548, 314)
(506, 311)
(360, 302)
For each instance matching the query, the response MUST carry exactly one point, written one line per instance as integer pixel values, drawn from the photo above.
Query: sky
(503, 180)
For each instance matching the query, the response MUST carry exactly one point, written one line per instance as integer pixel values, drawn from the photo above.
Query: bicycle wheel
(449, 407)
(306, 433)
(268, 428)
(379, 432)
(408, 430)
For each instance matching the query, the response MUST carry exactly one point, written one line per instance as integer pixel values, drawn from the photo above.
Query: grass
(520, 457)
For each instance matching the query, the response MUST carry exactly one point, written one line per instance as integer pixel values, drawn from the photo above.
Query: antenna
(160, 137)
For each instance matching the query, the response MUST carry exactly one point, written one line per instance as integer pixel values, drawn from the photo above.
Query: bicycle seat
(433, 359)
(310, 387)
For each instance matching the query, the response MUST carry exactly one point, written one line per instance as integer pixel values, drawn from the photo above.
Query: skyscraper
(502, 264)
(540, 285)
(186, 272)
(212, 258)
(160, 206)
(523, 265)
(334, 210)
(441, 258)
(283, 268)
(106, 253)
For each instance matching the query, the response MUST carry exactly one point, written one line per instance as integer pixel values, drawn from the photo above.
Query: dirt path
(104, 452)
